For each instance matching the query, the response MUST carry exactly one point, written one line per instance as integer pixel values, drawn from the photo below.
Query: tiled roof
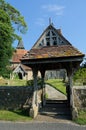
(18, 55)
(26, 68)
(52, 52)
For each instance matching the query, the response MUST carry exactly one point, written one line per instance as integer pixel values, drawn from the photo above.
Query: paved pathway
(54, 94)
(53, 112)
(39, 126)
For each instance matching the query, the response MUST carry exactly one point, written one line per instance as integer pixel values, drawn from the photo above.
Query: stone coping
(79, 87)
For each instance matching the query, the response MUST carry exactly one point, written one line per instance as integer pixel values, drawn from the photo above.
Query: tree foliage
(6, 39)
(10, 20)
(17, 20)
(80, 75)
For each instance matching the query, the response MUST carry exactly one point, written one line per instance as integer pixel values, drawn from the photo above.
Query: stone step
(64, 106)
(56, 101)
(57, 104)
(56, 108)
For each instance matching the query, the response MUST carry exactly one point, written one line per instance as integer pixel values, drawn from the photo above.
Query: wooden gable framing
(51, 37)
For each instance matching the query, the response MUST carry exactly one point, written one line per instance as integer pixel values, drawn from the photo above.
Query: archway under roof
(71, 64)
(58, 54)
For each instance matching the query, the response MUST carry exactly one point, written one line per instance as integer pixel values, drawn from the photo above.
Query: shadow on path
(54, 111)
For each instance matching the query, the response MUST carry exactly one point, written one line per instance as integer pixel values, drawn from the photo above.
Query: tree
(80, 75)
(10, 18)
(17, 20)
(6, 39)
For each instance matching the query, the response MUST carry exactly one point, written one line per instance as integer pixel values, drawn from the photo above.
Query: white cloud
(58, 10)
(55, 9)
(40, 21)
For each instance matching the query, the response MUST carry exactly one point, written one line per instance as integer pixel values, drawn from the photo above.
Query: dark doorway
(20, 75)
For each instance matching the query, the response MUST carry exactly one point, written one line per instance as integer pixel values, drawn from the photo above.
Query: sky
(67, 15)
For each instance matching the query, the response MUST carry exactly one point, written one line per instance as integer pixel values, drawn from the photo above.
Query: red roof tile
(18, 55)
(53, 52)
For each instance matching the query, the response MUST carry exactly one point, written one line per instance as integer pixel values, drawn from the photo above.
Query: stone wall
(79, 94)
(15, 97)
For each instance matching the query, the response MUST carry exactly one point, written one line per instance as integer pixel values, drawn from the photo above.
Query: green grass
(57, 84)
(14, 82)
(17, 115)
(81, 118)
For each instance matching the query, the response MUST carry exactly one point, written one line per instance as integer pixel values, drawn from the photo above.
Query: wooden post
(70, 83)
(71, 89)
(34, 109)
(70, 72)
(43, 87)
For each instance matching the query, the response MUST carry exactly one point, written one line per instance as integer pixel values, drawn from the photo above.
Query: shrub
(80, 76)
(30, 82)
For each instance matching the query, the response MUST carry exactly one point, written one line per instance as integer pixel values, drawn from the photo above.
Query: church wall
(29, 75)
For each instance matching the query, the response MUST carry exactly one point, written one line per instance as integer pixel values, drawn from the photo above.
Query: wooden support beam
(34, 108)
(70, 72)
(43, 87)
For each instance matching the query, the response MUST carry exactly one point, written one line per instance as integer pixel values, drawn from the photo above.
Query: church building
(18, 69)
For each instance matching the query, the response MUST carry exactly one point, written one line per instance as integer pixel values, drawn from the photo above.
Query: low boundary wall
(79, 94)
(14, 97)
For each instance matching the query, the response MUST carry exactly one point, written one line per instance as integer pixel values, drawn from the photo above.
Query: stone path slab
(54, 94)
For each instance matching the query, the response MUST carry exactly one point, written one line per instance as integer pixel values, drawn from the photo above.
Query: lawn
(14, 82)
(17, 115)
(57, 84)
(81, 118)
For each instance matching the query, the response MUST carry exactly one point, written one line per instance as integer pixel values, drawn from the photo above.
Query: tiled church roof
(18, 55)
(52, 52)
